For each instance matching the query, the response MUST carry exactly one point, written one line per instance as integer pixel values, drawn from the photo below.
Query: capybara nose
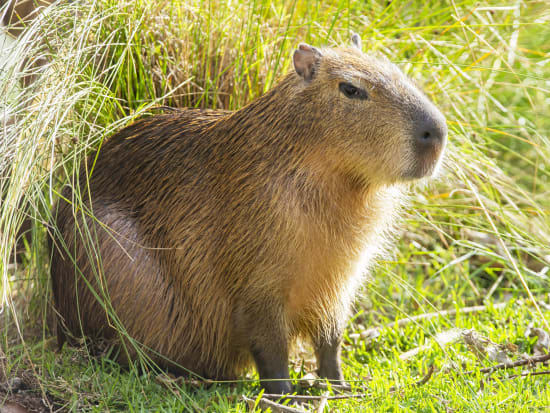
(430, 130)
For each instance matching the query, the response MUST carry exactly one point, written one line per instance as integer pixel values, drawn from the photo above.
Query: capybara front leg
(328, 358)
(269, 347)
(272, 364)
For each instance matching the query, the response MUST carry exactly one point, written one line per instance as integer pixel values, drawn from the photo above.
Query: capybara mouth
(427, 164)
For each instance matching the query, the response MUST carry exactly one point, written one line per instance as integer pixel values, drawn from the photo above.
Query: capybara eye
(353, 92)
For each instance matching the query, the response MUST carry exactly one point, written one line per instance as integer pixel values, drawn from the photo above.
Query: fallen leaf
(542, 346)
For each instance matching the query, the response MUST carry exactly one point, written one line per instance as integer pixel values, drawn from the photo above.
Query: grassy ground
(478, 236)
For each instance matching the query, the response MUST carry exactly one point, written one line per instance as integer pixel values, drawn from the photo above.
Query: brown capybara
(219, 237)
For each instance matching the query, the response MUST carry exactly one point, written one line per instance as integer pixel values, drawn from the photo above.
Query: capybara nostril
(431, 129)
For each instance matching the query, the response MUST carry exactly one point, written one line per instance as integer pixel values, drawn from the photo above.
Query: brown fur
(225, 235)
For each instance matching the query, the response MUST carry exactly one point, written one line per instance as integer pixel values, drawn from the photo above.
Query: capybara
(219, 237)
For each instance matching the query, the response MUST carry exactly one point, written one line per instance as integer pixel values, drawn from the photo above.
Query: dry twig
(322, 402)
(264, 404)
(305, 398)
(419, 383)
(526, 374)
(322, 385)
(405, 321)
(526, 361)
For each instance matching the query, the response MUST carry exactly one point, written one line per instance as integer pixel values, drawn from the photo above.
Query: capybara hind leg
(328, 359)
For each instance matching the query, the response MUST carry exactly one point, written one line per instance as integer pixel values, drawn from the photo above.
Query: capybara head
(376, 123)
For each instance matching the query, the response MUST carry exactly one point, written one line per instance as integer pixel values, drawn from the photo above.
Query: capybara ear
(306, 60)
(356, 41)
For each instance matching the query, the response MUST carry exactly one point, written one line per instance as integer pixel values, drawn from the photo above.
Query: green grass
(74, 380)
(479, 234)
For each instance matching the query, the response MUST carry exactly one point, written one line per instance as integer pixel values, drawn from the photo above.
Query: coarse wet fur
(224, 235)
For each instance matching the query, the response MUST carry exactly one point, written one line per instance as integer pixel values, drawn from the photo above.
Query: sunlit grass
(481, 233)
